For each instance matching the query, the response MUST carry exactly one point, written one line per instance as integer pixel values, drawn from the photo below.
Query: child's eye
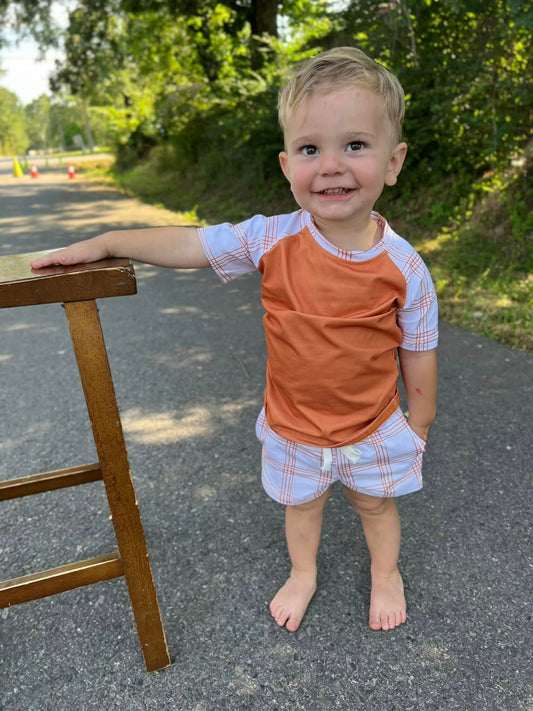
(355, 146)
(309, 150)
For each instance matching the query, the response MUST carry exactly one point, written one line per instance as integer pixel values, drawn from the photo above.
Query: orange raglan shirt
(333, 322)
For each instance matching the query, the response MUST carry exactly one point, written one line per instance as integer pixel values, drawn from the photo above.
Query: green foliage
(467, 69)
(31, 17)
(177, 71)
(13, 138)
(54, 124)
(37, 121)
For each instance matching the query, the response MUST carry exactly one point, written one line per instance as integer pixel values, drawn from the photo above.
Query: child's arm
(419, 374)
(175, 247)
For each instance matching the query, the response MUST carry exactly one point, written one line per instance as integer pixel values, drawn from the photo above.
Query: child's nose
(331, 163)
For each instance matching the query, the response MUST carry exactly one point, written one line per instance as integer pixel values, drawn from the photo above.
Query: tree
(33, 17)
(13, 138)
(158, 72)
(38, 123)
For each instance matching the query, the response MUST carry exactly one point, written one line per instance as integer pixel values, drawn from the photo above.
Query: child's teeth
(334, 191)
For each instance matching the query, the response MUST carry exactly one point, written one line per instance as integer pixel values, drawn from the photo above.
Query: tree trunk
(264, 17)
(88, 132)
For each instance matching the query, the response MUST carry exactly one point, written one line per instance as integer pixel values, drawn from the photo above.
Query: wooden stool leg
(91, 354)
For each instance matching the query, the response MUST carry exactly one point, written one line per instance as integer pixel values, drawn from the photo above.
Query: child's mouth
(335, 191)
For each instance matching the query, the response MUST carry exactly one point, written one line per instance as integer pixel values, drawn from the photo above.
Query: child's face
(339, 154)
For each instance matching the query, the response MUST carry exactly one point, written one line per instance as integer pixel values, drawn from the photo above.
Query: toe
(293, 624)
(374, 622)
(397, 618)
(281, 617)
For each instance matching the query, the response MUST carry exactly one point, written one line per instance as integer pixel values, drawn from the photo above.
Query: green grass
(479, 249)
(194, 191)
(481, 258)
(478, 291)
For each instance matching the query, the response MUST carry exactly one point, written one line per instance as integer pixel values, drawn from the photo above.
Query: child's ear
(284, 162)
(395, 163)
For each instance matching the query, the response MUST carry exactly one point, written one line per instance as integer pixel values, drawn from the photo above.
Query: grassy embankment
(479, 250)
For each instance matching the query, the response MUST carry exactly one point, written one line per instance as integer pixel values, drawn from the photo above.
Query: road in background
(52, 163)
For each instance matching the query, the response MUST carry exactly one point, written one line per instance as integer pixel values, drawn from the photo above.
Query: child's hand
(78, 253)
(422, 432)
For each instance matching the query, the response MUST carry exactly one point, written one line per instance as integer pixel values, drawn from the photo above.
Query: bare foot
(387, 602)
(290, 602)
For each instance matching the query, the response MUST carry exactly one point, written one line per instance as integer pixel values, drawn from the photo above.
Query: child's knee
(366, 505)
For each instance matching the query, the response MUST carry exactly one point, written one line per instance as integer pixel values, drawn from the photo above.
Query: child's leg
(381, 524)
(303, 524)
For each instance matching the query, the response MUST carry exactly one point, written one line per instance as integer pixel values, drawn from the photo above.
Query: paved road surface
(188, 359)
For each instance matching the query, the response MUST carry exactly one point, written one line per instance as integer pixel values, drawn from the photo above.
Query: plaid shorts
(387, 463)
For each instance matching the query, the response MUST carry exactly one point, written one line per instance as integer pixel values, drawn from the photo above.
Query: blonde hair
(339, 68)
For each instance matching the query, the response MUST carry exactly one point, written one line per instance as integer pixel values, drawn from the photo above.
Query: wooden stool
(78, 287)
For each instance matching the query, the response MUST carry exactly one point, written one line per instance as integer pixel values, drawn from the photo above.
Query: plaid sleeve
(234, 250)
(418, 318)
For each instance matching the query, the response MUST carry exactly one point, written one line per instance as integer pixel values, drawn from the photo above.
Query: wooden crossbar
(57, 580)
(49, 481)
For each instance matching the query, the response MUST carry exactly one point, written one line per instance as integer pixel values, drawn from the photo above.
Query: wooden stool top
(20, 285)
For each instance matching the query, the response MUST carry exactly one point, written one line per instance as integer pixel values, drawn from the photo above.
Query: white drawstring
(350, 452)
(326, 461)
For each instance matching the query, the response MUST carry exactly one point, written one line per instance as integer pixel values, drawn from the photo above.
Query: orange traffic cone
(34, 172)
(71, 172)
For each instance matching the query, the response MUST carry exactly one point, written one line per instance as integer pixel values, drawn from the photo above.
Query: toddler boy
(344, 297)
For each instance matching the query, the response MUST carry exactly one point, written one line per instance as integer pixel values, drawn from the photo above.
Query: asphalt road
(188, 357)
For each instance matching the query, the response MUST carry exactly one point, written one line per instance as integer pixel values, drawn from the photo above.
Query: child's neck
(351, 237)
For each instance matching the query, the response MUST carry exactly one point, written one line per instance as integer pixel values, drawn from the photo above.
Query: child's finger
(47, 259)
(77, 253)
